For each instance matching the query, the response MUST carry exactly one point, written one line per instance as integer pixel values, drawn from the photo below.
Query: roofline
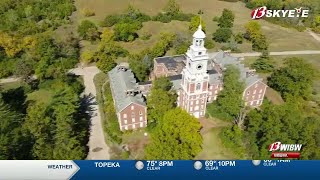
(130, 104)
(252, 85)
(170, 56)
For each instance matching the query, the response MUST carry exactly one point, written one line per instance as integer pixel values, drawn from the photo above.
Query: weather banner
(159, 169)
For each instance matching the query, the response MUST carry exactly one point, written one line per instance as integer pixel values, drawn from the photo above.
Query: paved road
(283, 53)
(8, 80)
(98, 149)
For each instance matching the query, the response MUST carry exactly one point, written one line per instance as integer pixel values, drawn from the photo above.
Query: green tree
(263, 63)
(105, 63)
(253, 29)
(226, 20)
(23, 69)
(259, 43)
(172, 8)
(229, 102)
(294, 79)
(160, 100)
(195, 22)
(222, 35)
(40, 127)
(126, 31)
(88, 30)
(162, 83)
(177, 137)
(13, 142)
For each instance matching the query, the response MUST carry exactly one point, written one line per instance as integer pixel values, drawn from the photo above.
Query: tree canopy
(226, 19)
(294, 79)
(176, 137)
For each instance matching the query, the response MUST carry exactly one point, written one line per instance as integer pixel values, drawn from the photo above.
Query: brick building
(129, 103)
(196, 77)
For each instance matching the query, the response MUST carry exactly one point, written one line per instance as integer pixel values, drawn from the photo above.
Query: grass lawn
(42, 96)
(280, 38)
(136, 142)
(213, 148)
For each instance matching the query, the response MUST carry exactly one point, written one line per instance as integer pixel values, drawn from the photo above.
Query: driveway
(98, 149)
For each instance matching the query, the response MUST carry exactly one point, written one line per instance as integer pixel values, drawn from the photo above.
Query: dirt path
(8, 80)
(314, 35)
(98, 149)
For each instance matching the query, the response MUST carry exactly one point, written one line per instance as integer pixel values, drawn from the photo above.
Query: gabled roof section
(124, 88)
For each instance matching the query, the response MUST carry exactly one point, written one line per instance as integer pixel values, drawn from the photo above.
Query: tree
(177, 137)
(140, 69)
(126, 31)
(229, 102)
(226, 20)
(162, 83)
(105, 63)
(294, 79)
(253, 29)
(195, 22)
(160, 100)
(259, 43)
(23, 69)
(88, 30)
(263, 63)
(222, 35)
(13, 143)
(172, 8)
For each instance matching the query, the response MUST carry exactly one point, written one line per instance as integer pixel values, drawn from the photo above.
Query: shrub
(209, 44)
(222, 35)
(87, 12)
(88, 30)
(110, 20)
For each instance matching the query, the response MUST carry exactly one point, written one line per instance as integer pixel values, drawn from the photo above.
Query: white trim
(243, 94)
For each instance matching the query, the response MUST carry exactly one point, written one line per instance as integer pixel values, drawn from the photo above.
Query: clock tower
(195, 79)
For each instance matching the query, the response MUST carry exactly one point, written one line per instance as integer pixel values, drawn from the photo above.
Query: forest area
(45, 117)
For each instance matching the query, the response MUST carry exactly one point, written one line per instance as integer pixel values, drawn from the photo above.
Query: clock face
(199, 66)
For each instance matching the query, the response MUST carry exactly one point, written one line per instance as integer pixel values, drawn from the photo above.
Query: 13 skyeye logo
(261, 12)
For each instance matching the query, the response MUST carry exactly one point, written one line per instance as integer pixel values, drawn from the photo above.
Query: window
(191, 108)
(141, 124)
(191, 103)
(259, 96)
(202, 107)
(248, 92)
(258, 102)
(198, 86)
(260, 91)
(202, 100)
(197, 102)
(199, 53)
(210, 93)
(124, 115)
(140, 112)
(251, 103)
(126, 127)
(215, 97)
(254, 92)
(132, 114)
(133, 126)
(141, 118)
(210, 87)
(132, 107)
(216, 91)
(253, 97)
(125, 122)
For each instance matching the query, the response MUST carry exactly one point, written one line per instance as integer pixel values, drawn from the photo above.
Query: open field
(281, 39)
(213, 148)
(10, 85)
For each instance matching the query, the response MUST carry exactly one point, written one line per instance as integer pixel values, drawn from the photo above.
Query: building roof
(122, 81)
(223, 59)
(199, 34)
(173, 63)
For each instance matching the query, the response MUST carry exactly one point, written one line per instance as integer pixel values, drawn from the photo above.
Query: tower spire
(200, 27)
